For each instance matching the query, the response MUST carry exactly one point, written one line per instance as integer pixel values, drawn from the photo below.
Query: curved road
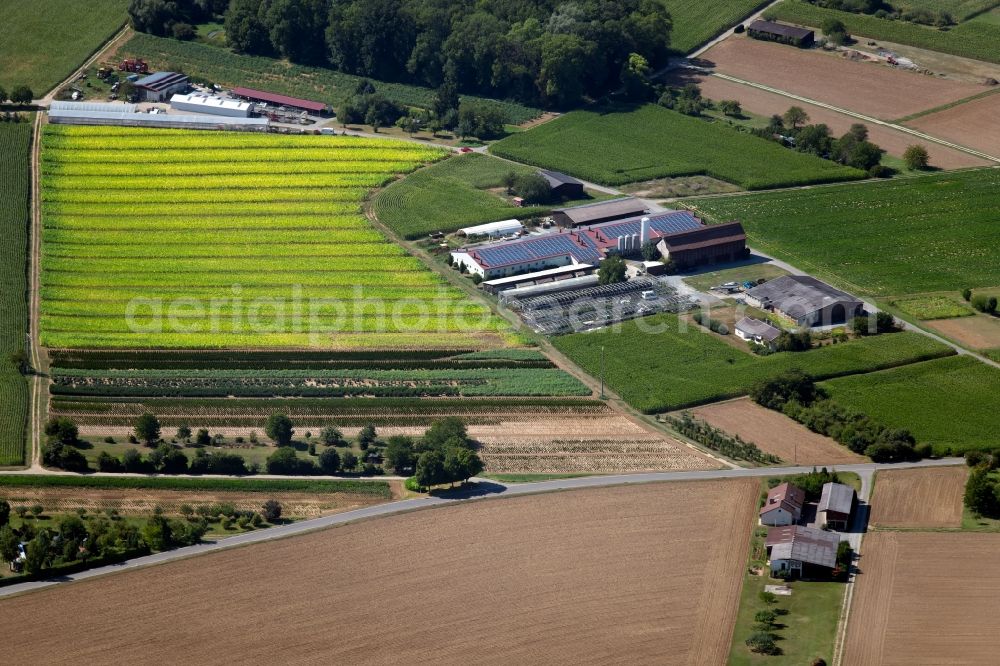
(481, 489)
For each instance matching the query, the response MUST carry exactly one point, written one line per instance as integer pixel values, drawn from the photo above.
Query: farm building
(588, 245)
(281, 100)
(161, 86)
(561, 185)
(836, 506)
(803, 552)
(494, 229)
(779, 32)
(757, 331)
(783, 505)
(105, 107)
(717, 243)
(171, 121)
(597, 213)
(550, 276)
(217, 106)
(805, 300)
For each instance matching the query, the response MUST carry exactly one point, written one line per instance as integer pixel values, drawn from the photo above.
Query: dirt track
(926, 598)
(972, 124)
(919, 498)
(867, 88)
(762, 102)
(652, 572)
(775, 433)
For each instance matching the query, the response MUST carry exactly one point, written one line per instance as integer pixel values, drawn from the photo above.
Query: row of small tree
(19, 95)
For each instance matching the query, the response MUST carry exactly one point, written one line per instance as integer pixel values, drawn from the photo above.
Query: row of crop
(459, 373)
(15, 143)
(313, 261)
(381, 291)
(263, 340)
(281, 239)
(101, 199)
(247, 279)
(360, 176)
(183, 310)
(138, 207)
(220, 223)
(133, 359)
(188, 169)
(166, 155)
(360, 251)
(370, 488)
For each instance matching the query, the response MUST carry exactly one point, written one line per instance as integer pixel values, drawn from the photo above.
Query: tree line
(796, 395)
(535, 51)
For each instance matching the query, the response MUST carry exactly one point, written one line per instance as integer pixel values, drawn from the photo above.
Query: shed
(561, 185)
(493, 229)
(161, 86)
(757, 331)
(595, 213)
(806, 300)
(280, 100)
(211, 104)
(800, 551)
(712, 244)
(783, 505)
(550, 276)
(836, 506)
(781, 32)
(168, 120)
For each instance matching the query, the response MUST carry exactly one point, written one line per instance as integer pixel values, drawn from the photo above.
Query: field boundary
(852, 114)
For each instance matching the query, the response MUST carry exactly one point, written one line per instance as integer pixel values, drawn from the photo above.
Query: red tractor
(136, 65)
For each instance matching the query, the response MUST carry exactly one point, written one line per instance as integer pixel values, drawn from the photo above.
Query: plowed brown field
(640, 574)
(868, 88)
(764, 103)
(775, 433)
(973, 124)
(979, 332)
(925, 598)
(919, 497)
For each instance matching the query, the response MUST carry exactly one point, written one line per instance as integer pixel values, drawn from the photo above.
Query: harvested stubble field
(143, 502)
(867, 88)
(764, 103)
(510, 580)
(775, 433)
(925, 598)
(979, 332)
(972, 124)
(929, 498)
(607, 444)
(310, 272)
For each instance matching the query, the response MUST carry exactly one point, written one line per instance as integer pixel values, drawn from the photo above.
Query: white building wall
(777, 517)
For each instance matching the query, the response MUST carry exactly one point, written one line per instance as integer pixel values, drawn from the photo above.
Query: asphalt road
(481, 489)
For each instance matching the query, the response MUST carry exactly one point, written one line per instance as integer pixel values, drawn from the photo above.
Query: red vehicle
(465, 149)
(136, 65)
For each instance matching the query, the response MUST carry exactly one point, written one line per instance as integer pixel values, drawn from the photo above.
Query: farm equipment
(104, 73)
(137, 65)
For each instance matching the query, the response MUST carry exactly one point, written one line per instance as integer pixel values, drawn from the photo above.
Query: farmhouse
(217, 106)
(280, 100)
(779, 32)
(805, 300)
(561, 185)
(800, 551)
(494, 229)
(757, 331)
(783, 505)
(717, 243)
(588, 245)
(597, 213)
(161, 86)
(835, 506)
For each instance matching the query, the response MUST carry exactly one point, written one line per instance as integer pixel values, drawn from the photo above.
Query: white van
(648, 295)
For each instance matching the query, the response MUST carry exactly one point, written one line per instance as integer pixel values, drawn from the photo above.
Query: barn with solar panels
(584, 245)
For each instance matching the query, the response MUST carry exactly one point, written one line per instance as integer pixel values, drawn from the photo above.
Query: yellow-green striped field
(182, 239)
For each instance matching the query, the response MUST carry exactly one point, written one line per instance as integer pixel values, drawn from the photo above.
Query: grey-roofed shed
(562, 185)
(806, 300)
(835, 506)
(602, 211)
(799, 550)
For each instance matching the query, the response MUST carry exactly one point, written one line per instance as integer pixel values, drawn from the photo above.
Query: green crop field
(43, 43)
(951, 402)
(450, 195)
(185, 262)
(224, 67)
(960, 10)
(933, 306)
(658, 364)
(697, 21)
(15, 146)
(623, 146)
(974, 39)
(911, 236)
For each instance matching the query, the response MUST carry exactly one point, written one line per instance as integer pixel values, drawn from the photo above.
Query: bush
(271, 511)
(916, 157)
(763, 642)
(985, 304)
(412, 485)
(279, 429)
(285, 461)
